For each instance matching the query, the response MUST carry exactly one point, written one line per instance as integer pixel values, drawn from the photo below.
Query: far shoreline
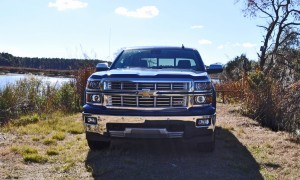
(4, 70)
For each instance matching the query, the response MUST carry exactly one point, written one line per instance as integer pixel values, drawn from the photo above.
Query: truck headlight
(94, 84)
(200, 86)
(93, 98)
(202, 99)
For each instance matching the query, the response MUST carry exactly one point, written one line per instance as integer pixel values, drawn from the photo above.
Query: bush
(32, 96)
(258, 98)
(66, 98)
(289, 109)
(271, 104)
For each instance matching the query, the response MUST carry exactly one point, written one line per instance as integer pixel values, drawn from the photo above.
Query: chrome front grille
(162, 86)
(151, 101)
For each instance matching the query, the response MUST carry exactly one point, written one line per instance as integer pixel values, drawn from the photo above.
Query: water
(13, 78)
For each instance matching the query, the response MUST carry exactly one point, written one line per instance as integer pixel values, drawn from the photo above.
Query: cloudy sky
(99, 28)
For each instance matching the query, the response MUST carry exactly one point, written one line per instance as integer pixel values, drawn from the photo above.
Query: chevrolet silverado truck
(151, 93)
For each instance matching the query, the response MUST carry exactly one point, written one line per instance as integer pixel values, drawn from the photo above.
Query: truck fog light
(203, 122)
(200, 99)
(91, 120)
(96, 98)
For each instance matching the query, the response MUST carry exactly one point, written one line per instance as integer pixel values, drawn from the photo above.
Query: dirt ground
(244, 150)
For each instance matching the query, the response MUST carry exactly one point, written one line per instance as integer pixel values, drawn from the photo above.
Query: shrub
(289, 109)
(67, 98)
(8, 104)
(271, 104)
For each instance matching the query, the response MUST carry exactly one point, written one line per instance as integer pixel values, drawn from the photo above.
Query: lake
(13, 78)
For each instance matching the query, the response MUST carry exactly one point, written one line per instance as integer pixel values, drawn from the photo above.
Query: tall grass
(32, 96)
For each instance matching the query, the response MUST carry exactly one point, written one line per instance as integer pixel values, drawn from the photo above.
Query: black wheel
(98, 145)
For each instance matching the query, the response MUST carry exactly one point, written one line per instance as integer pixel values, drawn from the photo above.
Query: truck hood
(150, 73)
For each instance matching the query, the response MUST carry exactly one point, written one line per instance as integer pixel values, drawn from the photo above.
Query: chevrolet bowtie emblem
(146, 93)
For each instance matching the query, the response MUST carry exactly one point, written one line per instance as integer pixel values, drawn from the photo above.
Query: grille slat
(151, 101)
(139, 101)
(116, 85)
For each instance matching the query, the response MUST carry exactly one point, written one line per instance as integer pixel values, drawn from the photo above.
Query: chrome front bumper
(102, 120)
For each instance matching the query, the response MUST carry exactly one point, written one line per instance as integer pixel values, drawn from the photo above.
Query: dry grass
(244, 150)
(277, 155)
(44, 149)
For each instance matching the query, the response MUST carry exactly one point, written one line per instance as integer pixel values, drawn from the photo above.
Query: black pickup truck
(151, 93)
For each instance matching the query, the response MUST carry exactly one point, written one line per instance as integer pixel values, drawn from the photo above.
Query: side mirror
(214, 68)
(102, 67)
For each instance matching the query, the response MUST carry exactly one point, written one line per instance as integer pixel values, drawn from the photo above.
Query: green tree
(236, 68)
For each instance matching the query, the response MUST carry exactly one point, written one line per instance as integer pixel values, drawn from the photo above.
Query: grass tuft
(35, 158)
(30, 150)
(59, 136)
(24, 150)
(25, 120)
(52, 152)
(76, 129)
(67, 167)
(49, 142)
(35, 139)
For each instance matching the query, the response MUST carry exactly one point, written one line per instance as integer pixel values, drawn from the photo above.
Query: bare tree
(281, 28)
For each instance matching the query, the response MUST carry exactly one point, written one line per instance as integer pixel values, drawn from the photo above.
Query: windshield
(159, 59)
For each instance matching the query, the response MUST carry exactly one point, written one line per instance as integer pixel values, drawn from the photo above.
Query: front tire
(98, 145)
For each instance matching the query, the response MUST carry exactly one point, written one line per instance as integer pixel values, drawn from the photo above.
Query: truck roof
(160, 47)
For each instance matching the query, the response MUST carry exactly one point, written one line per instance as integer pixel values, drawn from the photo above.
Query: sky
(100, 28)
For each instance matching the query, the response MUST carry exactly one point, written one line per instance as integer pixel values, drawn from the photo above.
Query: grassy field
(54, 147)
